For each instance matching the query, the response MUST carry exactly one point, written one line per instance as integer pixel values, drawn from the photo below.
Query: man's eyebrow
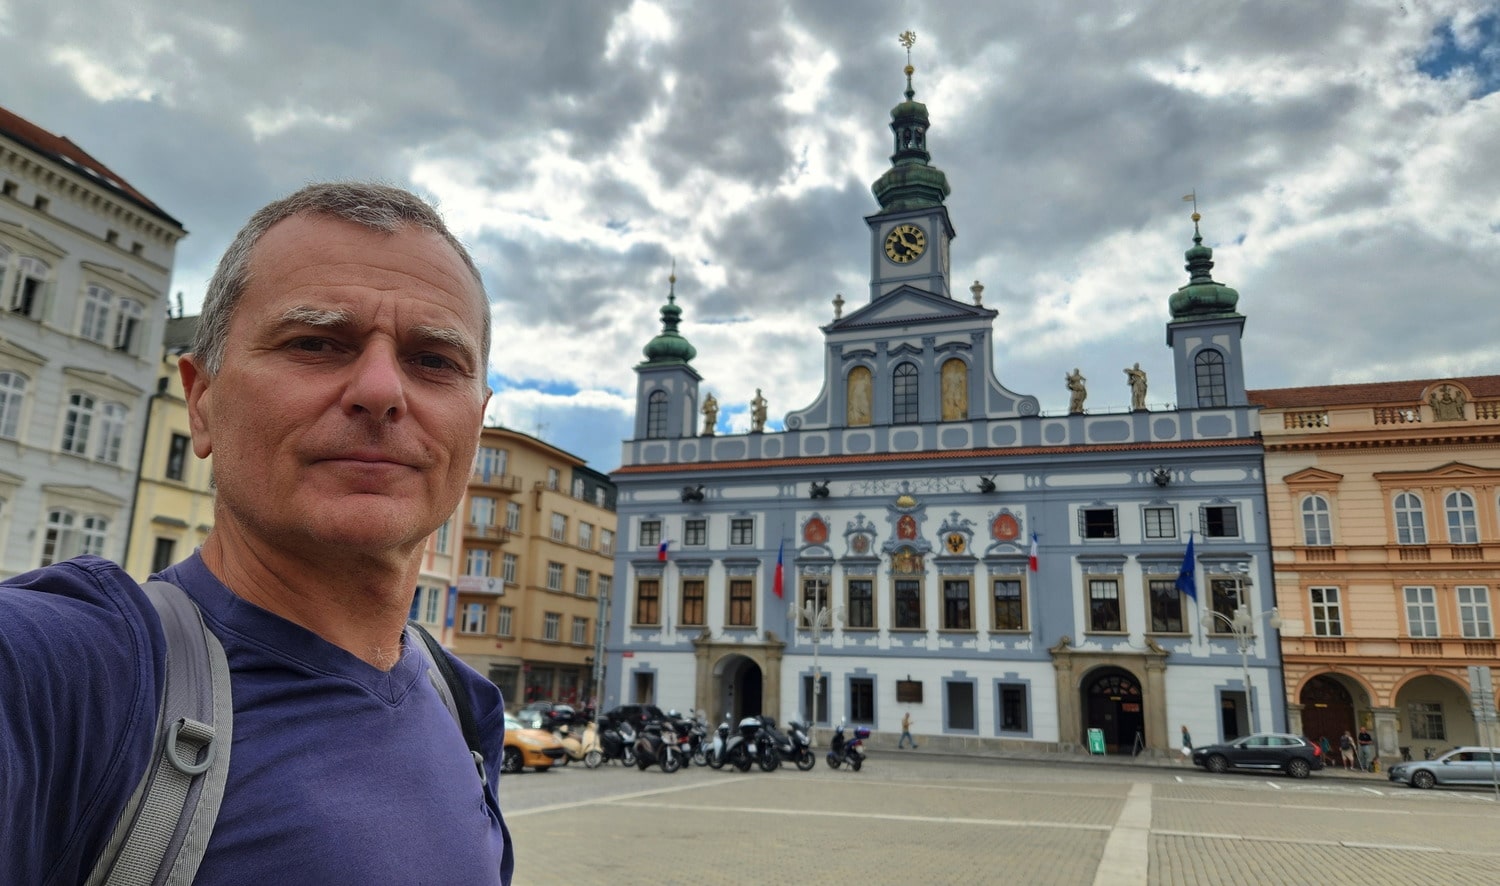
(317, 317)
(446, 335)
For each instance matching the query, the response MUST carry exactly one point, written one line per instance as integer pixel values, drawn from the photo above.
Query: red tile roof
(924, 455)
(1480, 386)
(59, 148)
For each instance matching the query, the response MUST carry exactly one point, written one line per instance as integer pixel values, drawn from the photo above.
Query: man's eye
(312, 345)
(434, 361)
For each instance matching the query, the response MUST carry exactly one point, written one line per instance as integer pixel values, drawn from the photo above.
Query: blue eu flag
(1185, 574)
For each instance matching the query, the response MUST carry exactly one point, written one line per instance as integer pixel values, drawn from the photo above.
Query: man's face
(347, 410)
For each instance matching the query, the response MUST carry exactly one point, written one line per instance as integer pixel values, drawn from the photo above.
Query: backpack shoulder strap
(161, 836)
(445, 680)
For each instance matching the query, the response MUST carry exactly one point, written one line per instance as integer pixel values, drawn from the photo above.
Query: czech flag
(1031, 561)
(661, 551)
(776, 582)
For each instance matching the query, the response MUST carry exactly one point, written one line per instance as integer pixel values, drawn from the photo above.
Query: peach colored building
(535, 539)
(1385, 529)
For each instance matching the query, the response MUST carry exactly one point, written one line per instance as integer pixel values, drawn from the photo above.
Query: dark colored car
(637, 715)
(547, 715)
(1465, 765)
(1266, 751)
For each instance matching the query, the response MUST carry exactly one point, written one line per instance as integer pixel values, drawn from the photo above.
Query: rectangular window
(1098, 523)
(554, 576)
(581, 580)
(80, 416)
(1010, 605)
(648, 602)
(961, 706)
(1426, 718)
(586, 536)
(1328, 620)
(1225, 596)
(1474, 612)
(503, 622)
(475, 615)
(908, 604)
(604, 586)
(177, 452)
(861, 609)
(1013, 708)
(1104, 604)
(164, 554)
(489, 463)
(650, 533)
(553, 479)
(742, 531)
(606, 541)
(580, 631)
(482, 511)
(862, 699)
(440, 543)
(957, 605)
(692, 601)
(477, 562)
(513, 516)
(508, 568)
(1166, 606)
(1219, 521)
(814, 594)
(695, 532)
(821, 716)
(1421, 612)
(1161, 522)
(437, 598)
(741, 603)
(559, 527)
(551, 626)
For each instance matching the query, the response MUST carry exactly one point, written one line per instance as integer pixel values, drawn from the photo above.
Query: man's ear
(195, 385)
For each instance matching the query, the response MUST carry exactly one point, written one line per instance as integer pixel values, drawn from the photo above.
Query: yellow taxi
(524, 747)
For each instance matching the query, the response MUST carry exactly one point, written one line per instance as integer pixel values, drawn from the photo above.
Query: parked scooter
(578, 748)
(718, 747)
(657, 746)
(742, 750)
(614, 744)
(843, 751)
(792, 746)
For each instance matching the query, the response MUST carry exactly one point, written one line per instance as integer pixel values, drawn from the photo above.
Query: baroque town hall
(904, 500)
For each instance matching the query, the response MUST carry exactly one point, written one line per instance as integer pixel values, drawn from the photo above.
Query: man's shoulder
(87, 604)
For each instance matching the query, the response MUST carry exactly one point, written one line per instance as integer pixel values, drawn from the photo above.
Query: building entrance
(1112, 703)
(1327, 710)
(738, 692)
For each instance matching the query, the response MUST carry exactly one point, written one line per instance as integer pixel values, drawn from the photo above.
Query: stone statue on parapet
(1136, 378)
(757, 413)
(710, 412)
(1077, 390)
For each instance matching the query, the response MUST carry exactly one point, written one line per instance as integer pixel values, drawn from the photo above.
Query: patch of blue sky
(556, 388)
(1475, 50)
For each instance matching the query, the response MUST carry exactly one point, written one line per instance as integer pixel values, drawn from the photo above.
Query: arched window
(955, 390)
(57, 544)
(857, 398)
(1209, 366)
(1463, 525)
(656, 415)
(111, 432)
(12, 393)
(95, 324)
(904, 394)
(1316, 528)
(1411, 526)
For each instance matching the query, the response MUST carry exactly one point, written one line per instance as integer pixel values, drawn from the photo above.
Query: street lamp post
(818, 618)
(1242, 626)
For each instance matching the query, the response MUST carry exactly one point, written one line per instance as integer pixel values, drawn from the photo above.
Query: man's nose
(377, 385)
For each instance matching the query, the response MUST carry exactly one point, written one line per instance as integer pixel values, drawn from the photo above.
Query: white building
(85, 264)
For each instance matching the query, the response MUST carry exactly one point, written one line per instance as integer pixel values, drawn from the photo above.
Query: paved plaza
(910, 818)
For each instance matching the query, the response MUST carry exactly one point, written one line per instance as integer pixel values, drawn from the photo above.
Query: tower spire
(911, 182)
(1202, 296)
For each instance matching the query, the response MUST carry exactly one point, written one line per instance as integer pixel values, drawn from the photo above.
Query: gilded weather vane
(908, 39)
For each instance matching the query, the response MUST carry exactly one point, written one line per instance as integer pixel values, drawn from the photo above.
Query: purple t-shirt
(339, 772)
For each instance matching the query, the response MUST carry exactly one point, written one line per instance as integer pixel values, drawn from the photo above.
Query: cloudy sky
(1343, 154)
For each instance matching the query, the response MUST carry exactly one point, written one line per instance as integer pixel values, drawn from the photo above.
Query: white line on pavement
(1127, 856)
(1373, 791)
(594, 801)
(839, 813)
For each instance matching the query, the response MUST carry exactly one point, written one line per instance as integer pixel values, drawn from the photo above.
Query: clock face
(905, 243)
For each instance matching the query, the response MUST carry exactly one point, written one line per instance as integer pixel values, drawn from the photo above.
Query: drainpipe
(140, 462)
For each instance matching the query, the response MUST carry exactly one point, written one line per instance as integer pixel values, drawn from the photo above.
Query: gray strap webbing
(162, 834)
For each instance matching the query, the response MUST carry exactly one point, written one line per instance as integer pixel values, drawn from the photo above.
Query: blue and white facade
(903, 501)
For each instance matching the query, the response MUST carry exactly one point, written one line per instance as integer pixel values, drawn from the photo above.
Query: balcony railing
(1314, 418)
(1455, 649)
(487, 532)
(502, 482)
(1397, 415)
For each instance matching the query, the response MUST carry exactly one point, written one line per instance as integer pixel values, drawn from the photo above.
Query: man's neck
(357, 603)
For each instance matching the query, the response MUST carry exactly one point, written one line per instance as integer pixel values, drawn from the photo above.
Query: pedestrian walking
(1187, 742)
(1346, 749)
(906, 733)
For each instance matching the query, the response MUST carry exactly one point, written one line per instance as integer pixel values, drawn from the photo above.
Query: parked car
(547, 715)
(637, 715)
(524, 747)
(1270, 751)
(1464, 765)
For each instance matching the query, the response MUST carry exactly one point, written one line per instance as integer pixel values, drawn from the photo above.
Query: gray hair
(374, 206)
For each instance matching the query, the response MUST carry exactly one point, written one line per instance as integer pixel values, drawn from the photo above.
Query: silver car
(1465, 765)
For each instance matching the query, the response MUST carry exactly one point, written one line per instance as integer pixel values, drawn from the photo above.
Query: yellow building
(173, 507)
(1385, 527)
(536, 535)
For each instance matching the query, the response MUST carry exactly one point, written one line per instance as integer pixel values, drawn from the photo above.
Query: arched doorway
(1327, 709)
(1112, 703)
(738, 688)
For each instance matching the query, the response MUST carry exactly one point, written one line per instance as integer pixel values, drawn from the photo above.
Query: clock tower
(910, 235)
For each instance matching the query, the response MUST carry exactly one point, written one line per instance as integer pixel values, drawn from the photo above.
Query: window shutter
(1203, 521)
(1083, 523)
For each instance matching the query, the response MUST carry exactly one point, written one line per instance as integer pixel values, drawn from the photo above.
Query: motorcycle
(794, 746)
(843, 751)
(617, 743)
(657, 746)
